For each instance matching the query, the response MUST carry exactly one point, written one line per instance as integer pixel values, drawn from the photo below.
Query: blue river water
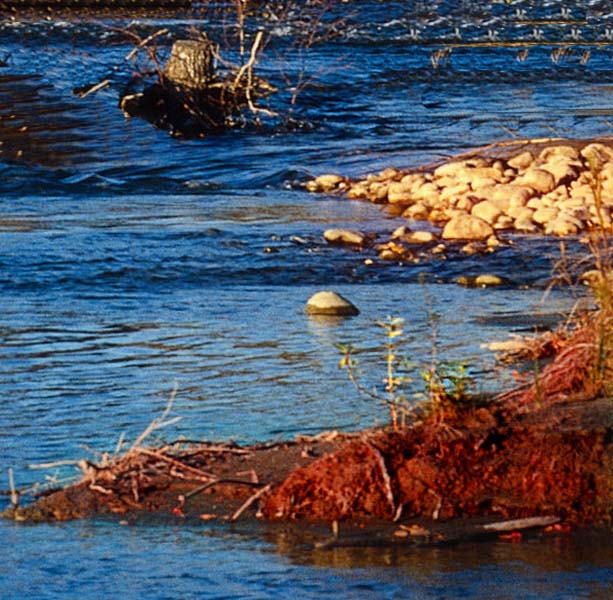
(133, 262)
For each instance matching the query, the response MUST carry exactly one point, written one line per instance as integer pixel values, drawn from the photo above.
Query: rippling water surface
(131, 260)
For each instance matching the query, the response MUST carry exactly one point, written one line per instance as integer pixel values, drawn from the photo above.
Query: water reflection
(38, 127)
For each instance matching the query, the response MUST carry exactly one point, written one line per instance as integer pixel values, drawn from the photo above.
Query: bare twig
(387, 482)
(248, 66)
(120, 442)
(180, 465)
(14, 494)
(143, 43)
(158, 422)
(249, 502)
(94, 88)
(52, 465)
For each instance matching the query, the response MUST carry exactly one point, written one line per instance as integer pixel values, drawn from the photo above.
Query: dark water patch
(523, 323)
(229, 261)
(37, 128)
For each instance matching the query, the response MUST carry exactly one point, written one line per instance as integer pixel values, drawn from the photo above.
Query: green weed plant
(446, 384)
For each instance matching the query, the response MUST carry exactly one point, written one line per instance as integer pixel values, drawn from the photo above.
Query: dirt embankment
(552, 462)
(512, 458)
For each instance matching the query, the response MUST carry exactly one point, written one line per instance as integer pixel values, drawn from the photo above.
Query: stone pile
(556, 190)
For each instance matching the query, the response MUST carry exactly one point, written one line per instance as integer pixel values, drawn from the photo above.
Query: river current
(133, 263)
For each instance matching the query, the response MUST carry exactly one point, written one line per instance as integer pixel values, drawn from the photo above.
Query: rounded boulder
(331, 304)
(467, 227)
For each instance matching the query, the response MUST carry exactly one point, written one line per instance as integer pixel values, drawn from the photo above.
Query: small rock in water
(477, 247)
(420, 237)
(488, 280)
(344, 237)
(400, 232)
(326, 183)
(330, 303)
(485, 280)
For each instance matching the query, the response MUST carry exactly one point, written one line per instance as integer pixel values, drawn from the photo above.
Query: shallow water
(131, 260)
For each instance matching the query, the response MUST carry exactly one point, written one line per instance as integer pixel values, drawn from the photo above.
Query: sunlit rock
(525, 225)
(442, 214)
(420, 237)
(400, 232)
(535, 203)
(454, 193)
(325, 183)
(563, 173)
(465, 203)
(390, 174)
(450, 169)
(417, 212)
(521, 161)
(493, 242)
(358, 191)
(345, 237)
(487, 211)
(488, 280)
(545, 214)
(598, 154)
(377, 192)
(399, 192)
(503, 222)
(511, 195)
(520, 212)
(393, 251)
(427, 193)
(556, 152)
(467, 227)
(561, 226)
(538, 179)
(330, 303)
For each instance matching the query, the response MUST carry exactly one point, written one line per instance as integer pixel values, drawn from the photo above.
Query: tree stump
(191, 64)
(189, 98)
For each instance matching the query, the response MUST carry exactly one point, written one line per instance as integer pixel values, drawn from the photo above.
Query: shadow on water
(37, 127)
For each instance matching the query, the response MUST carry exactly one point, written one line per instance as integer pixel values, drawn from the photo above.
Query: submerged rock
(331, 304)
